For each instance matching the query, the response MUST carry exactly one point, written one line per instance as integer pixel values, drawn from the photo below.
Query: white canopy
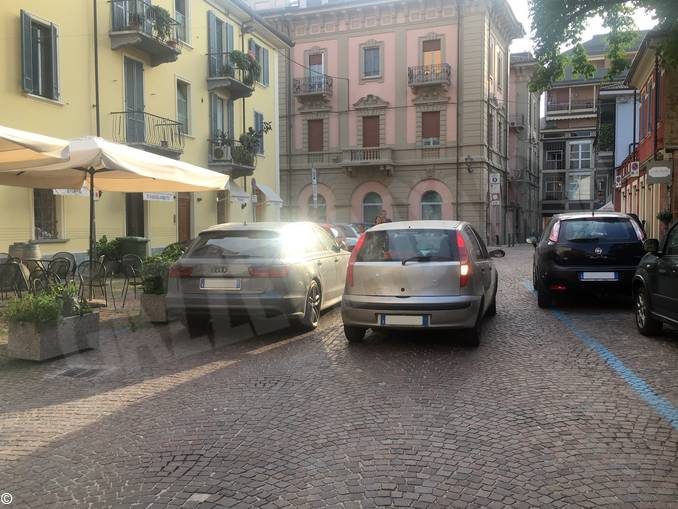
(271, 196)
(23, 149)
(236, 193)
(117, 168)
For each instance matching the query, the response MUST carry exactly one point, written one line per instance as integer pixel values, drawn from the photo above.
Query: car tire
(647, 325)
(354, 334)
(492, 310)
(472, 336)
(534, 278)
(312, 304)
(197, 325)
(544, 298)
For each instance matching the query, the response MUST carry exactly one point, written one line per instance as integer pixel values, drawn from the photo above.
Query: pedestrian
(382, 218)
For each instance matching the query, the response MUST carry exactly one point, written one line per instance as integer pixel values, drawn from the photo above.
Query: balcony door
(316, 72)
(432, 54)
(184, 216)
(134, 101)
(371, 131)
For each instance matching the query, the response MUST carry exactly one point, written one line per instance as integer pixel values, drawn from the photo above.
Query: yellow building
(173, 78)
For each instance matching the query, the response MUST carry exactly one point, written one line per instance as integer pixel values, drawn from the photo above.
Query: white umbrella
(22, 149)
(117, 168)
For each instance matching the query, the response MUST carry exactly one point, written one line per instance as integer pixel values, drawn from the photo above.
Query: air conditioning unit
(221, 153)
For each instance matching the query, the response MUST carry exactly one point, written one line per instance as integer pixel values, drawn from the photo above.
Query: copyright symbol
(6, 498)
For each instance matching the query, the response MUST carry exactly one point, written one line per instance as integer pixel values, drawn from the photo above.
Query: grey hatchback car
(420, 275)
(259, 269)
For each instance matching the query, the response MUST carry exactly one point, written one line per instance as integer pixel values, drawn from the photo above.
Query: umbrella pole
(92, 228)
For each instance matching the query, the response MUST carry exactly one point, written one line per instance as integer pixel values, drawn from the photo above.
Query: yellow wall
(74, 115)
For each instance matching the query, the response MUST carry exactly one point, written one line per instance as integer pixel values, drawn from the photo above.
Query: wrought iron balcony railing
(228, 156)
(224, 74)
(151, 132)
(319, 84)
(429, 75)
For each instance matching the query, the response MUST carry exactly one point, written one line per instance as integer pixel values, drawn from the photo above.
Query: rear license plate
(598, 276)
(219, 284)
(419, 320)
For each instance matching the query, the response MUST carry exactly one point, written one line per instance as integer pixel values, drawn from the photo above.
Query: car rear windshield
(347, 230)
(236, 244)
(597, 229)
(399, 245)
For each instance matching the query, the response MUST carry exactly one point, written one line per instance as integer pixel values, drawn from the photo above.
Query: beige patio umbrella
(117, 168)
(25, 149)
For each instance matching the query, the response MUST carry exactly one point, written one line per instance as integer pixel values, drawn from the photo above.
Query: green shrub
(154, 274)
(47, 307)
(108, 248)
(174, 251)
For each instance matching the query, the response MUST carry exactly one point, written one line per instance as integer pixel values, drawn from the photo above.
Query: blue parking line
(661, 405)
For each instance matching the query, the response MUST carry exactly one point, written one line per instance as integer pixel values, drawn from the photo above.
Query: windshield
(597, 229)
(236, 244)
(400, 245)
(347, 230)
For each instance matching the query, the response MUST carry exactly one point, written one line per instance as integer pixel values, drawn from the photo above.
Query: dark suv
(655, 285)
(585, 251)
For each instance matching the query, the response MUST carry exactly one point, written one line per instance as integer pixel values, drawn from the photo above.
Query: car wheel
(534, 278)
(492, 310)
(197, 325)
(472, 337)
(647, 325)
(544, 299)
(354, 334)
(311, 316)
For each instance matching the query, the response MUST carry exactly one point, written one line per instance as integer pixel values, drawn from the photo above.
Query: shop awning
(236, 193)
(270, 195)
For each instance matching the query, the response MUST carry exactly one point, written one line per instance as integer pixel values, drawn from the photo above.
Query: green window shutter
(26, 53)
(55, 61)
(231, 120)
(212, 43)
(229, 38)
(264, 72)
(213, 116)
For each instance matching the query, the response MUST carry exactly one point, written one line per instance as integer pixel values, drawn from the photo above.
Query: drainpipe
(290, 119)
(96, 70)
(656, 103)
(458, 206)
(635, 101)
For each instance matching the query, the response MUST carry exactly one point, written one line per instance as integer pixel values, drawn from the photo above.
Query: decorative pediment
(369, 102)
(432, 95)
(316, 103)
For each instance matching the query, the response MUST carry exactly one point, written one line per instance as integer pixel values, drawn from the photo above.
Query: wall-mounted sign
(158, 196)
(83, 192)
(658, 172)
(314, 187)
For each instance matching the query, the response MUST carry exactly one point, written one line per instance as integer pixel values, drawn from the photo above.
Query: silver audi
(420, 275)
(259, 269)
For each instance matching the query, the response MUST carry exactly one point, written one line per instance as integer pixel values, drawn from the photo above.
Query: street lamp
(469, 160)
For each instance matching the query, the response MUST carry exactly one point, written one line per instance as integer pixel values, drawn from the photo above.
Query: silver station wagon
(259, 269)
(420, 275)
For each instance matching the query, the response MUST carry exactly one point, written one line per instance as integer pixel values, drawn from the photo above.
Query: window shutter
(26, 53)
(315, 59)
(371, 131)
(213, 116)
(431, 45)
(430, 124)
(212, 43)
(230, 107)
(315, 135)
(265, 66)
(250, 47)
(229, 38)
(55, 61)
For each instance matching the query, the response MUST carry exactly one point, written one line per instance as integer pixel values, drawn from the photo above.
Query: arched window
(371, 207)
(319, 213)
(431, 205)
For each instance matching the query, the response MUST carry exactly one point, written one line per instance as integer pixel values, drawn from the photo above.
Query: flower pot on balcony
(39, 342)
(154, 308)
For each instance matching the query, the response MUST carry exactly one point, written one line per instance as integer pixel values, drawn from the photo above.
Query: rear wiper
(422, 258)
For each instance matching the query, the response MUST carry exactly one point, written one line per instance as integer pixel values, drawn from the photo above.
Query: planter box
(154, 308)
(38, 343)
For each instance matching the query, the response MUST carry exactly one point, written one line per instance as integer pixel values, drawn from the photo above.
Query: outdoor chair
(4, 257)
(132, 266)
(12, 279)
(92, 274)
(38, 280)
(67, 256)
(59, 270)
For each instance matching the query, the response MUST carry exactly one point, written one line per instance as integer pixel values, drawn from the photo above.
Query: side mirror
(651, 246)
(532, 240)
(497, 253)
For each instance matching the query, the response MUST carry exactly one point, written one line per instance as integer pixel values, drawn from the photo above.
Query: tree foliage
(561, 22)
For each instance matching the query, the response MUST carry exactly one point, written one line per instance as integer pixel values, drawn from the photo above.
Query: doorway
(184, 216)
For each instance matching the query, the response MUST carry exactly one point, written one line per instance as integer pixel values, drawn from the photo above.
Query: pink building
(401, 107)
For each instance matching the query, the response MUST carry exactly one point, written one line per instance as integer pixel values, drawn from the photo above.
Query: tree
(559, 22)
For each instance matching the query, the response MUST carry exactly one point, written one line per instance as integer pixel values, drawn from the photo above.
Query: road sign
(495, 183)
(314, 186)
(495, 198)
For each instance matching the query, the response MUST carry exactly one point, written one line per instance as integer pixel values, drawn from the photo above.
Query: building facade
(524, 209)
(639, 189)
(167, 83)
(577, 158)
(401, 107)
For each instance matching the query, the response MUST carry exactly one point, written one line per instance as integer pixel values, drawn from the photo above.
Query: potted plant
(162, 22)
(665, 217)
(50, 324)
(154, 278)
(245, 152)
(250, 68)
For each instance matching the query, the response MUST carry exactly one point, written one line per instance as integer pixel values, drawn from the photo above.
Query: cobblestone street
(556, 407)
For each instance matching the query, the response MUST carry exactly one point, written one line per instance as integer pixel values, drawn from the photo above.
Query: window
(316, 71)
(474, 242)
(500, 134)
(431, 52)
(500, 70)
(371, 131)
(431, 205)
(259, 127)
(261, 55)
(398, 245)
(554, 160)
(491, 58)
(579, 187)
(430, 128)
(490, 130)
(580, 155)
(220, 44)
(317, 213)
(554, 186)
(181, 17)
(371, 207)
(134, 214)
(45, 214)
(671, 248)
(371, 62)
(39, 57)
(217, 125)
(315, 135)
(182, 106)
(326, 240)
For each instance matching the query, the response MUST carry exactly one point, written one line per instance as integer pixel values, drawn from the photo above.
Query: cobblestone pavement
(534, 417)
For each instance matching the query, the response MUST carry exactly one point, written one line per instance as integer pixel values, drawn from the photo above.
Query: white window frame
(187, 20)
(379, 74)
(571, 176)
(178, 80)
(579, 152)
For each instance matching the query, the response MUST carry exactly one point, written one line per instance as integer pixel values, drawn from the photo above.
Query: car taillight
(638, 230)
(555, 232)
(179, 271)
(268, 271)
(352, 259)
(464, 265)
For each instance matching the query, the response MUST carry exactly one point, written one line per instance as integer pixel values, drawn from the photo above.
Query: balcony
(429, 75)
(227, 156)
(578, 105)
(228, 78)
(148, 132)
(379, 158)
(148, 28)
(313, 86)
